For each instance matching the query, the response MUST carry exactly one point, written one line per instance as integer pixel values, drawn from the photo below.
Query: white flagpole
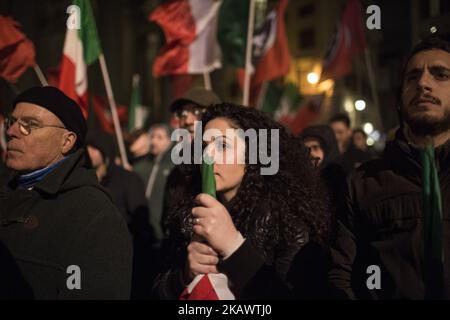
(248, 54)
(115, 117)
(40, 75)
(207, 80)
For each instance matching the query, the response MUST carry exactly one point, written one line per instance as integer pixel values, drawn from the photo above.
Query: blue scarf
(30, 179)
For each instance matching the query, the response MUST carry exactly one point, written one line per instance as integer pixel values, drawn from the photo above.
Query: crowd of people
(77, 224)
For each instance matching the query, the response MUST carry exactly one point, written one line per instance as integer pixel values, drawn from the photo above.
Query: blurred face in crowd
(159, 141)
(426, 93)
(141, 146)
(343, 134)
(228, 151)
(359, 140)
(96, 156)
(187, 116)
(36, 138)
(316, 152)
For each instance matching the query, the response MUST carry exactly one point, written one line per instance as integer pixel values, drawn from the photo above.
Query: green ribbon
(432, 205)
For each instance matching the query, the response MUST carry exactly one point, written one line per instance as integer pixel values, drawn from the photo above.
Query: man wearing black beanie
(60, 234)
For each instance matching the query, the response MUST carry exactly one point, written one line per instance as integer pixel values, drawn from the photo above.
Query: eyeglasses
(26, 126)
(183, 113)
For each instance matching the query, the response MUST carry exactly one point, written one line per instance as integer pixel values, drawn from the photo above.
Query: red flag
(275, 59)
(17, 53)
(270, 51)
(348, 40)
(103, 114)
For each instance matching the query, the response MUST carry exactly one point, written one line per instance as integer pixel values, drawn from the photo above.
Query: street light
(312, 78)
(368, 128)
(348, 106)
(360, 105)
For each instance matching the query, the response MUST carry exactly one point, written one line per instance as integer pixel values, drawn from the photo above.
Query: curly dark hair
(271, 209)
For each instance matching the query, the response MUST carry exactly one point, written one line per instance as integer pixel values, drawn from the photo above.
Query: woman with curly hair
(257, 230)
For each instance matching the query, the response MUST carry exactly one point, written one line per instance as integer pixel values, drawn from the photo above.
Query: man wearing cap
(191, 106)
(61, 237)
(188, 109)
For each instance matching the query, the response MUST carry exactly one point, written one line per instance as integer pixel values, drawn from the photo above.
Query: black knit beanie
(55, 101)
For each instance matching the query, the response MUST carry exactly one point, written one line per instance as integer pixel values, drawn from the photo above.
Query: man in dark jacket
(351, 157)
(61, 237)
(128, 194)
(391, 244)
(324, 150)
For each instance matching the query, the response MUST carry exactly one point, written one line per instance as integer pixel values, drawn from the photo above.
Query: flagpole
(248, 54)
(115, 117)
(262, 94)
(372, 81)
(207, 80)
(40, 75)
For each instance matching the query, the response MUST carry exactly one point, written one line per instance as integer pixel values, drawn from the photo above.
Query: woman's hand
(201, 259)
(213, 223)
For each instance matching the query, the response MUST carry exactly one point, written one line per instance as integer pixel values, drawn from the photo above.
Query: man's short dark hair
(341, 117)
(433, 41)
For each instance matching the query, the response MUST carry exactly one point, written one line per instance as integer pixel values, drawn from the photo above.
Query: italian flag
(81, 48)
(190, 28)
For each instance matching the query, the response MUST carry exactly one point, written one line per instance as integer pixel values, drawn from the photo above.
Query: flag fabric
(270, 47)
(349, 39)
(232, 31)
(180, 83)
(272, 98)
(81, 48)
(53, 76)
(270, 51)
(208, 286)
(281, 98)
(17, 52)
(190, 28)
(137, 113)
(306, 114)
(103, 114)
